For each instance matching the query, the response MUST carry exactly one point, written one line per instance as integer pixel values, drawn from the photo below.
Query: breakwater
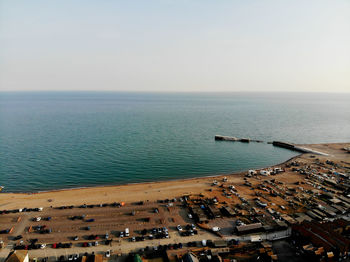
(275, 143)
(297, 148)
(232, 138)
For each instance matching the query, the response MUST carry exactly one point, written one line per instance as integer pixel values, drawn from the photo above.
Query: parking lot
(78, 229)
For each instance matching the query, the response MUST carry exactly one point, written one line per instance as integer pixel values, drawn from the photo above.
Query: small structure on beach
(248, 229)
(18, 256)
(190, 257)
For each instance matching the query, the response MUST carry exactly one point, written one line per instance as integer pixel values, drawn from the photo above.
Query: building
(189, 257)
(199, 215)
(214, 212)
(227, 211)
(248, 229)
(18, 256)
(325, 235)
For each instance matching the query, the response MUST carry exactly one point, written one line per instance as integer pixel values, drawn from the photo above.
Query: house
(214, 212)
(220, 243)
(189, 257)
(18, 256)
(227, 211)
(248, 229)
(92, 258)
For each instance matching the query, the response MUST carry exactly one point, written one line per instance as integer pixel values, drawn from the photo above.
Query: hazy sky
(174, 45)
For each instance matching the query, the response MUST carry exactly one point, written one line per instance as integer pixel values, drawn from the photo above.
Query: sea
(59, 140)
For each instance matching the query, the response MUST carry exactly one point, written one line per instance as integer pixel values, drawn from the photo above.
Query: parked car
(239, 222)
(179, 228)
(18, 237)
(216, 229)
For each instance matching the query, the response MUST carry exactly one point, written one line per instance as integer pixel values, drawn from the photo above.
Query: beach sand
(157, 190)
(114, 220)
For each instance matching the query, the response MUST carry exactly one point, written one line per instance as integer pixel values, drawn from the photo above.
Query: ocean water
(55, 140)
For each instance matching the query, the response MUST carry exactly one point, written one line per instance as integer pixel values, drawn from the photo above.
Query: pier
(286, 145)
(297, 148)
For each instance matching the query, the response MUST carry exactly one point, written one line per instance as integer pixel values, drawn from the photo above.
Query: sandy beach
(155, 190)
(102, 214)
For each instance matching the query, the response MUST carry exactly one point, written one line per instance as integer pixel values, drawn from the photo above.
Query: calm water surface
(74, 139)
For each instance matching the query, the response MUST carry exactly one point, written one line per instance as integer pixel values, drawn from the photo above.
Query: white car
(179, 228)
(108, 253)
(42, 246)
(216, 229)
(189, 216)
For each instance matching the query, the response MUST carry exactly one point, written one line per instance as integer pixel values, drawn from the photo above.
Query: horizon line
(158, 91)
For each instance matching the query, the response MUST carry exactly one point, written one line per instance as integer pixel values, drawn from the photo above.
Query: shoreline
(158, 190)
(142, 206)
(150, 182)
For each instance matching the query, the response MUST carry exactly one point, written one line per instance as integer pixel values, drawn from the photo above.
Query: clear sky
(175, 45)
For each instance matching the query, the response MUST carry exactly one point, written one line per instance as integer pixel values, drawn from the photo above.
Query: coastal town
(294, 211)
